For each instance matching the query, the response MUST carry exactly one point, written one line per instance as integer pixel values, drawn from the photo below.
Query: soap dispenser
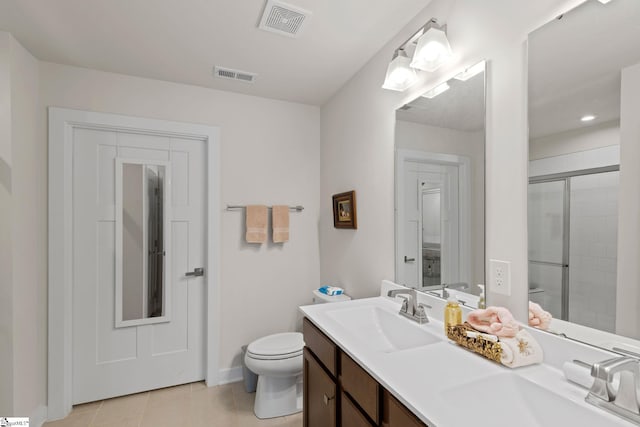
(482, 303)
(452, 314)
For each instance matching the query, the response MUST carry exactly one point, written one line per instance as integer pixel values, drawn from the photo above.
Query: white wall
(573, 141)
(628, 295)
(6, 276)
(270, 155)
(23, 231)
(415, 136)
(357, 143)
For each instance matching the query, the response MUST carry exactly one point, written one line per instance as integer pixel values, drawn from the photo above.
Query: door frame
(62, 121)
(403, 156)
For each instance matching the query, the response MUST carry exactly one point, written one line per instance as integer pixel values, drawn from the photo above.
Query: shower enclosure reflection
(141, 257)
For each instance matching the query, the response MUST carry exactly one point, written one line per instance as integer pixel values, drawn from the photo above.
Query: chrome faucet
(622, 401)
(411, 309)
(446, 286)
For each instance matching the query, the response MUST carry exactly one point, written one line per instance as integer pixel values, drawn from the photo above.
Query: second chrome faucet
(410, 306)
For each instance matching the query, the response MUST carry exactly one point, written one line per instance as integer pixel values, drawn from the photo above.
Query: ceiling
(462, 107)
(181, 41)
(575, 63)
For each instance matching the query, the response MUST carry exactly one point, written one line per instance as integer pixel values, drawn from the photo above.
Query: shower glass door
(548, 244)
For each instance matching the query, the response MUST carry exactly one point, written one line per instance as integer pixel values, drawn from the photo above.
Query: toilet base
(278, 396)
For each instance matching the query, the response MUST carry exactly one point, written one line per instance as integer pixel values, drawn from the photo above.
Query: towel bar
(297, 208)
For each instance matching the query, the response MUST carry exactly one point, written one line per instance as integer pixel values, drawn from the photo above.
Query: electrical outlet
(500, 277)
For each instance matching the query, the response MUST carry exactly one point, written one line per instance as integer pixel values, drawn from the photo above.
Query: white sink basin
(510, 400)
(381, 330)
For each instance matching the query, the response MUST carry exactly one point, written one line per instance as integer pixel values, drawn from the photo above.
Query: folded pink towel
(494, 320)
(538, 317)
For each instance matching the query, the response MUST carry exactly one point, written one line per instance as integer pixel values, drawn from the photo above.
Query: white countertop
(426, 378)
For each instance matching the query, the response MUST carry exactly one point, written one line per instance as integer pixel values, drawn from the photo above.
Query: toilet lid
(284, 345)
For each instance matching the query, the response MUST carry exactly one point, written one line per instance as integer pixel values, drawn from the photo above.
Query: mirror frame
(166, 295)
(445, 156)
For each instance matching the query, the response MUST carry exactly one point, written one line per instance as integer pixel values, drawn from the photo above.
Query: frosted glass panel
(593, 250)
(545, 287)
(546, 221)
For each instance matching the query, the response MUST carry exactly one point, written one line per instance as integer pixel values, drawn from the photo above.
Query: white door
(110, 361)
(421, 176)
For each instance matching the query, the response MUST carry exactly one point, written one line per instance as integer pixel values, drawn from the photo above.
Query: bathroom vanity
(365, 365)
(338, 391)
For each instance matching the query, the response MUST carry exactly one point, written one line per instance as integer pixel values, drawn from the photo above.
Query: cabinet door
(350, 415)
(319, 394)
(395, 414)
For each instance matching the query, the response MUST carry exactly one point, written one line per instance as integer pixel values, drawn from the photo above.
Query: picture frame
(344, 210)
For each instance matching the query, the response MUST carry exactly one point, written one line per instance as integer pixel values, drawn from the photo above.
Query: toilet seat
(277, 346)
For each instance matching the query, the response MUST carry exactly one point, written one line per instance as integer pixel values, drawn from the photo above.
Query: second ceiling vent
(284, 19)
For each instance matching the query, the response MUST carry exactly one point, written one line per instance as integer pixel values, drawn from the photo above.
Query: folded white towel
(521, 350)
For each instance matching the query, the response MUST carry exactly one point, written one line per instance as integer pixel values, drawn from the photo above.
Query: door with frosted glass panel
(548, 240)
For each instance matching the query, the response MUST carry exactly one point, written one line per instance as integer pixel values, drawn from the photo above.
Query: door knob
(196, 272)
(409, 259)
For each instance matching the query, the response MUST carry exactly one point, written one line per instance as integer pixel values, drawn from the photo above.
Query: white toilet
(277, 360)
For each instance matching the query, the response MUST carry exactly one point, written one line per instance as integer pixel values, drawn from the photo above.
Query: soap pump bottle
(452, 314)
(482, 303)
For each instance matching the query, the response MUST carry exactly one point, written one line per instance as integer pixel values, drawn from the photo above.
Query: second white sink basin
(509, 400)
(381, 330)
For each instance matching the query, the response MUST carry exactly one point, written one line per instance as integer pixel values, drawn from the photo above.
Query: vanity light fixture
(433, 48)
(443, 87)
(587, 118)
(470, 72)
(400, 76)
(430, 48)
(604, 1)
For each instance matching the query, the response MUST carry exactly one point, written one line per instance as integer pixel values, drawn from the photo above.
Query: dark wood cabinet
(350, 415)
(396, 414)
(320, 394)
(339, 392)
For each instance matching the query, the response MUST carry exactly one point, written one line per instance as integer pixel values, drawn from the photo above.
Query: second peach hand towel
(256, 224)
(280, 223)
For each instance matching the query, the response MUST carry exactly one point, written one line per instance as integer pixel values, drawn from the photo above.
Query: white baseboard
(38, 417)
(230, 375)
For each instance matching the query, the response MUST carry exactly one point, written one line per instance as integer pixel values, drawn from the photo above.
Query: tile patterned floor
(188, 405)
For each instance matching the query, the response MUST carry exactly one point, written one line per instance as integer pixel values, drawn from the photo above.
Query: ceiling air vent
(231, 74)
(284, 19)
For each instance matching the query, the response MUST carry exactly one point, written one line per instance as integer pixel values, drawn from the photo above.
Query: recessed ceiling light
(587, 118)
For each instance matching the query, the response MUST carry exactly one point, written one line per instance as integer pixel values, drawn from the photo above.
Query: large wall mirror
(142, 265)
(440, 169)
(584, 77)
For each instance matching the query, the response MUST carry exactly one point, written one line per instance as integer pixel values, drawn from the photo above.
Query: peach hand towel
(280, 223)
(256, 224)
(521, 350)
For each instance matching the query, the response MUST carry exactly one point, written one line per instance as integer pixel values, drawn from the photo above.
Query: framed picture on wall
(344, 210)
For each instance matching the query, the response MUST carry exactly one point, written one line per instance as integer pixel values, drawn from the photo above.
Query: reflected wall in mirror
(440, 161)
(142, 217)
(579, 66)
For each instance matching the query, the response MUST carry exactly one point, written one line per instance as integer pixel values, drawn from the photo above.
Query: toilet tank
(320, 298)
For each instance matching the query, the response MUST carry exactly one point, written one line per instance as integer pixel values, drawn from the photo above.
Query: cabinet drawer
(350, 415)
(396, 414)
(358, 384)
(319, 394)
(323, 348)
